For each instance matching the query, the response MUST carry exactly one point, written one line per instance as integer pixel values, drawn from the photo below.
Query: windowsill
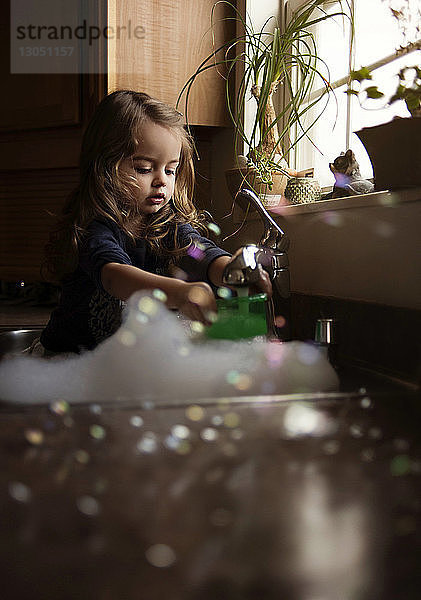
(384, 198)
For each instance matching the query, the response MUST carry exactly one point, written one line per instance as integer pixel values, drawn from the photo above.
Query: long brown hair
(104, 189)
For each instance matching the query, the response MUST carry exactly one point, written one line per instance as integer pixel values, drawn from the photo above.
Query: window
(377, 36)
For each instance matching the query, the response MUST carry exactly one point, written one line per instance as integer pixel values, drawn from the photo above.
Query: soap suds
(153, 359)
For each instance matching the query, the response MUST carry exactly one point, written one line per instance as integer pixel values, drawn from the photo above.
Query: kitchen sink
(14, 341)
(354, 381)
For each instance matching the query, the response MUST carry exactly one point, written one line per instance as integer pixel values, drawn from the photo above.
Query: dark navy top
(86, 313)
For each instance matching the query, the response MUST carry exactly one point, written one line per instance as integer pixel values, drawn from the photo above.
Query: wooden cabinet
(156, 45)
(152, 46)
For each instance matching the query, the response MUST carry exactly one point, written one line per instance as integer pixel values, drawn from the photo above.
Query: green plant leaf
(373, 92)
(413, 101)
(272, 57)
(360, 75)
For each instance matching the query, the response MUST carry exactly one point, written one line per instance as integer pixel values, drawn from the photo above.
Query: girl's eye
(144, 170)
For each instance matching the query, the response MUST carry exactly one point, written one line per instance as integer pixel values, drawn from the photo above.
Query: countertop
(29, 306)
(16, 317)
(294, 497)
(290, 497)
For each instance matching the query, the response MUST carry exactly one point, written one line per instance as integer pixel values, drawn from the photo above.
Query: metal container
(324, 333)
(13, 342)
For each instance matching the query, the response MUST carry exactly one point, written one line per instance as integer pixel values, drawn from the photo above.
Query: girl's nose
(160, 179)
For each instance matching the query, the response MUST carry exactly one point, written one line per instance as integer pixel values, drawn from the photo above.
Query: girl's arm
(216, 269)
(194, 300)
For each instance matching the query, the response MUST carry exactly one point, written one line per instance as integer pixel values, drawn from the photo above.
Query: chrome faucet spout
(270, 254)
(273, 236)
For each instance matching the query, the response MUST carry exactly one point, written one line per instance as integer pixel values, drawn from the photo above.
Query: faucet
(271, 254)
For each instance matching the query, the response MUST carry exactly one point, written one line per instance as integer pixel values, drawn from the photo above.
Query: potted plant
(394, 147)
(271, 59)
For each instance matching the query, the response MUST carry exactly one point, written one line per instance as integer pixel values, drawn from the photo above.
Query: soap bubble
(60, 407)
(160, 295)
(366, 402)
(305, 420)
(180, 431)
(232, 420)
(148, 443)
(88, 506)
(400, 465)
(195, 413)
(127, 338)
(34, 436)
(136, 421)
(331, 447)
(280, 321)
(224, 292)
(148, 306)
(160, 555)
(19, 491)
(82, 457)
(333, 218)
(214, 228)
(97, 432)
(209, 434)
(356, 430)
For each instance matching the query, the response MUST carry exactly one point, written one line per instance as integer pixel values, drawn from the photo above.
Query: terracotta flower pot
(394, 149)
(270, 196)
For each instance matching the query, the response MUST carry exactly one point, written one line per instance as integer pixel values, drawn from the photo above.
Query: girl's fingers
(200, 303)
(201, 294)
(263, 284)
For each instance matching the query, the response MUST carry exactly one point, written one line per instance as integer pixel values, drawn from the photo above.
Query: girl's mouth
(156, 198)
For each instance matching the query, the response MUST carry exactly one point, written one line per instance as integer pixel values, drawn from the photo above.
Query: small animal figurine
(348, 180)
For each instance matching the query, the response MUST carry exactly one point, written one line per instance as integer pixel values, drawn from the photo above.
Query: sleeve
(199, 255)
(103, 244)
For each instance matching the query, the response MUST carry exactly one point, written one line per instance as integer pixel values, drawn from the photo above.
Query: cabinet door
(41, 122)
(155, 45)
(33, 101)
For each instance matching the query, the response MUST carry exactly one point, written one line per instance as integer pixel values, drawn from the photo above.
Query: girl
(130, 222)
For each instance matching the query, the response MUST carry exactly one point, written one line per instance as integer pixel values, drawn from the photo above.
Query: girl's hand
(263, 285)
(216, 272)
(197, 302)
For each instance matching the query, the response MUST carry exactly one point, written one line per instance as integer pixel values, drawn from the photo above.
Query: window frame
(289, 6)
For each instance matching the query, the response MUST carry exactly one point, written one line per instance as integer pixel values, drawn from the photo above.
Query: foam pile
(152, 358)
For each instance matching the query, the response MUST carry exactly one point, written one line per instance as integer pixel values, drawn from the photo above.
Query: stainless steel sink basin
(14, 341)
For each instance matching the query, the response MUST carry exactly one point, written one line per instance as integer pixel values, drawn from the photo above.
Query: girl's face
(154, 166)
